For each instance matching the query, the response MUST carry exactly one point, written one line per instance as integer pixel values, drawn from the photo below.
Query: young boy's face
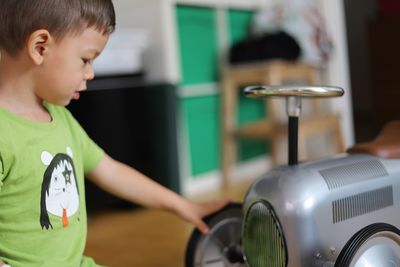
(68, 65)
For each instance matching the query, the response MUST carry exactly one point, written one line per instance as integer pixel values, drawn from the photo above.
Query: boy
(47, 48)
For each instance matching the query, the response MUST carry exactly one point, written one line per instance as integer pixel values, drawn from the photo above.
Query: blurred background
(162, 102)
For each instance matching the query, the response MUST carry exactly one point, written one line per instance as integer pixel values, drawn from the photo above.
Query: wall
(359, 14)
(337, 72)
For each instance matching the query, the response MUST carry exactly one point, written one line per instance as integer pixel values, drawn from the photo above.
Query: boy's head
(20, 18)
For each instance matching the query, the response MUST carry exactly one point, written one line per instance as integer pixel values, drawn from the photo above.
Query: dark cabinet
(133, 122)
(384, 43)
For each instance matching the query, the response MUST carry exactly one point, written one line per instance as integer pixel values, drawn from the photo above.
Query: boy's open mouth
(76, 95)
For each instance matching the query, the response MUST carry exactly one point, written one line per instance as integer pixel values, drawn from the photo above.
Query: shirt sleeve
(90, 151)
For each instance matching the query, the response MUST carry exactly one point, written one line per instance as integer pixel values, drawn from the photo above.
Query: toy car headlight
(263, 241)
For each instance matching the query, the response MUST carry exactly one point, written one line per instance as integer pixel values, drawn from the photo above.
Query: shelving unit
(184, 52)
(189, 40)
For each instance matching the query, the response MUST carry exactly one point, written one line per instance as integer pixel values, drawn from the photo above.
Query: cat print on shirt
(60, 193)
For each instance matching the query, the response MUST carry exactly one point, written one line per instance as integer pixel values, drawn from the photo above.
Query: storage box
(123, 53)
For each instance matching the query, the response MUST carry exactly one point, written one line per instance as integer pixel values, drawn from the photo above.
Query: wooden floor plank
(145, 238)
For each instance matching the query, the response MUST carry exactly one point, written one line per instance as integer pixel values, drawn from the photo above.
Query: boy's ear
(38, 45)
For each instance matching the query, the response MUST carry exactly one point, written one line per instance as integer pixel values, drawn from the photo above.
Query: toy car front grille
(263, 242)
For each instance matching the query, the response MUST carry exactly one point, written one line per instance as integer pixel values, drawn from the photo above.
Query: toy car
(338, 212)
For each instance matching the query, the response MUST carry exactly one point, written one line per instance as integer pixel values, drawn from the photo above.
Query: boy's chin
(64, 103)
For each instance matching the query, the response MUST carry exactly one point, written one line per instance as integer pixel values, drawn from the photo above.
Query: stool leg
(228, 158)
(338, 137)
(228, 102)
(303, 153)
(274, 147)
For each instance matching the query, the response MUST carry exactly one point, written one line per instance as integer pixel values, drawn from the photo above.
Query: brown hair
(20, 18)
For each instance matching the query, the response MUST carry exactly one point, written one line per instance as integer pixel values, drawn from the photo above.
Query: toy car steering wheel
(296, 91)
(293, 95)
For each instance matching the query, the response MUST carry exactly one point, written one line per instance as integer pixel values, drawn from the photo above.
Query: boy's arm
(127, 183)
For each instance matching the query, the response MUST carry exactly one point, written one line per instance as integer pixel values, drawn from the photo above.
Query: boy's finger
(202, 227)
(213, 206)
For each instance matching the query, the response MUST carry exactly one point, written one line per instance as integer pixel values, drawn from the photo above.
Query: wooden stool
(270, 128)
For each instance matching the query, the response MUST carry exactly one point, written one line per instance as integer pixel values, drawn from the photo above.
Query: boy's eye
(86, 61)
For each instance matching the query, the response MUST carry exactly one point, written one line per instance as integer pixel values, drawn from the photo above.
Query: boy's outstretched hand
(193, 212)
(128, 183)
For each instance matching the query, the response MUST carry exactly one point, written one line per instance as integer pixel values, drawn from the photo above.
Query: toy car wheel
(375, 245)
(221, 247)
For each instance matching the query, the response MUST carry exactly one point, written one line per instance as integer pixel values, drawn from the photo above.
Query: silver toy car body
(314, 209)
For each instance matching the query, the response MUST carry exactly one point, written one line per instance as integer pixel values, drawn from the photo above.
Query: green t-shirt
(42, 196)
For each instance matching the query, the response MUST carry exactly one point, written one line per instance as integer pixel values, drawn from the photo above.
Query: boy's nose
(89, 74)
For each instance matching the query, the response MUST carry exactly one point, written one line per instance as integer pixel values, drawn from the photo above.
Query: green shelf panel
(201, 115)
(197, 34)
(248, 109)
(239, 24)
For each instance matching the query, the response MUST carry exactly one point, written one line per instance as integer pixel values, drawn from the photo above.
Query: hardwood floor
(145, 238)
